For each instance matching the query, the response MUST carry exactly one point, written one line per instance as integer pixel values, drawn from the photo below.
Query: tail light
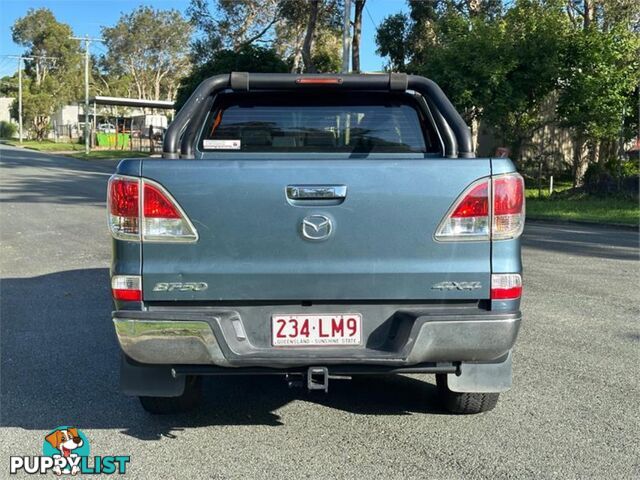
(126, 288)
(469, 216)
(123, 201)
(153, 216)
(508, 206)
(506, 286)
(490, 208)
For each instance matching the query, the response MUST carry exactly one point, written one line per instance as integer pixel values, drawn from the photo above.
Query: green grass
(77, 150)
(107, 154)
(46, 145)
(584, 207)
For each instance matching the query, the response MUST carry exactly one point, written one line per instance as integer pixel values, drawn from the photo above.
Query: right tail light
(508, 206)
(490, 208)
(506, 286)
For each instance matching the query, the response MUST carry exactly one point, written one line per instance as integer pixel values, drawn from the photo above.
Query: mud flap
(482, 377)
(149, 380)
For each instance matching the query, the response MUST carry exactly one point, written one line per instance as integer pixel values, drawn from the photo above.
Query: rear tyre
(464, 403)
(189, 399)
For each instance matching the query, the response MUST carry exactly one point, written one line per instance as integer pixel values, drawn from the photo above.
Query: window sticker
(221, 144)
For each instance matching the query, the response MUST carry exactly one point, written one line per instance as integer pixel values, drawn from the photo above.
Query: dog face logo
(67, 443)
(65, 440)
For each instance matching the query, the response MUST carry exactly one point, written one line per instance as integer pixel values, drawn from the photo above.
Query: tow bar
(317, 378)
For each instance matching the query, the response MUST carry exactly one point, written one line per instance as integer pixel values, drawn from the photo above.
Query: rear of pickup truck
(316, 226)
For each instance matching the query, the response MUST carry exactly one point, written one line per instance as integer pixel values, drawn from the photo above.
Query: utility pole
(20, 99)
(87, 40)
(20, 59)
(346, 37)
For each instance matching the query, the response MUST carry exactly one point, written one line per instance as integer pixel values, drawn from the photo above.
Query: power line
(375, 25)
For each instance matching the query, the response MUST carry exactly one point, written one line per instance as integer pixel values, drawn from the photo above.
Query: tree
(392, 41)
(290, 27)
(37, 107)
(534, 49)
(49, 42)
(229, 24)
(598, 82)
(248, 59)
(290, 32)
(498, 70)
(308, 34)
(9, 85)
(53, 77)
(357, 34)
(152, 47)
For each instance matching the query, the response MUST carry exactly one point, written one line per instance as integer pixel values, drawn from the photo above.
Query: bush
(614, 176)
(7, 129)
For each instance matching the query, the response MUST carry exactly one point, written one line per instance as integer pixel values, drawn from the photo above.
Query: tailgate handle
(316, 192)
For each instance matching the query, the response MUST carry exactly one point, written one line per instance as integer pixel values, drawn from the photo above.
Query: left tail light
(141, 209)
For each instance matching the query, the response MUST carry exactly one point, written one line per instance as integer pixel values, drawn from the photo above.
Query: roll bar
(199, 103)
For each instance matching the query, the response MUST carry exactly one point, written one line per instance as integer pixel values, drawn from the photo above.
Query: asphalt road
(573, 411)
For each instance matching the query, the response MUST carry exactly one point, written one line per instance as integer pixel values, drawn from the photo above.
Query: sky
(87, 16)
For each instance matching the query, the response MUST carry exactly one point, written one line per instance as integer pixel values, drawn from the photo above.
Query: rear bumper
(240, 337)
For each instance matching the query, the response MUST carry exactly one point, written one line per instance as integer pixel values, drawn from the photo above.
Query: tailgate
(252, 244)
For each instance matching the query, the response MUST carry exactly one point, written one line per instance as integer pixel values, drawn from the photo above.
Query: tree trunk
(589, 12)
(309, 37)
(579, 161)
(607, 151)
(516, 151)
(594, 152)
(297, 55)
(357, 34)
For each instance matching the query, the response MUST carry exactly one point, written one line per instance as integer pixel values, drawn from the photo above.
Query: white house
(5, 108)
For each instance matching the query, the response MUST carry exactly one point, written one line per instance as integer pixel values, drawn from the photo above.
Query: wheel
(189, 399)
(464, 403)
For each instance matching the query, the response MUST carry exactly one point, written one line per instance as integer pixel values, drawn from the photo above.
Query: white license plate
(313, 330)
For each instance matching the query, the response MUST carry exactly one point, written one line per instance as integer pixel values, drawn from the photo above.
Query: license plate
(315, 330)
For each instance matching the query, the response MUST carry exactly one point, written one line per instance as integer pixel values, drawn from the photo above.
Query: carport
(124, 102)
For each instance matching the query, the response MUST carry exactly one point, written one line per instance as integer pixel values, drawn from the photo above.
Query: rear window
(321, 123)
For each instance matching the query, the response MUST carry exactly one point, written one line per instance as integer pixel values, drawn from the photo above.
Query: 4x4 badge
(457, 286)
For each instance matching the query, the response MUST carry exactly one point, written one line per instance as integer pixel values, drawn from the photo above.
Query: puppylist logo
(65, 451)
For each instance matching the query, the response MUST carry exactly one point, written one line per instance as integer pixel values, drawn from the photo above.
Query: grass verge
(585, 208)
(107, 155)
(46, 146)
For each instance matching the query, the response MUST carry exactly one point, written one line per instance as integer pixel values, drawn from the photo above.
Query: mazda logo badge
(316, 227)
